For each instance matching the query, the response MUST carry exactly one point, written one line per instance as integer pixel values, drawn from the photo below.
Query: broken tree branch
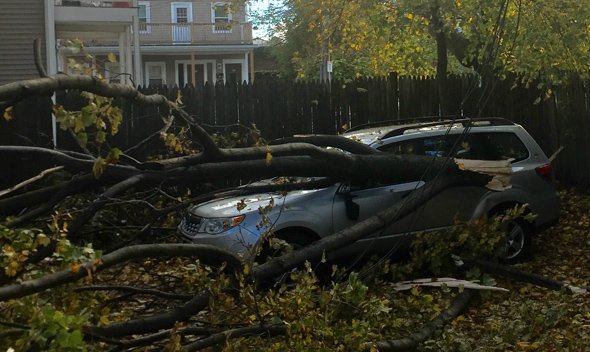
(411, 342)
(16, 91)
(135, 290)
(207, 254)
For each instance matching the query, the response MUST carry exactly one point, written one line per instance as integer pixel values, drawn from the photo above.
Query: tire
(518, 244)
(296, 237)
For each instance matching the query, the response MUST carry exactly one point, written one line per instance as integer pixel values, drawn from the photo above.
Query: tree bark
(437, 29)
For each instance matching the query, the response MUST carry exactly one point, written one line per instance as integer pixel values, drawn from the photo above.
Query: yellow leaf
(268, 158)
(111, 57)
(43, 240)
(75, 267)
(178, 98)
(104, 320)
(8, 114)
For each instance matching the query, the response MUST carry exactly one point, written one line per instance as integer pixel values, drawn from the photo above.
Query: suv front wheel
(517, 245)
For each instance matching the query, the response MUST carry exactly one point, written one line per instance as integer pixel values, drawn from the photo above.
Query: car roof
(369, 133)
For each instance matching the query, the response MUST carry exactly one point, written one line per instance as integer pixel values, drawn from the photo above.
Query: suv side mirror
(353, 210)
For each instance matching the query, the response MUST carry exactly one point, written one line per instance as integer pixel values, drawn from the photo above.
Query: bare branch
(154, 322)
(411, 342)
(31, 180)
(339, 142)
(167, 124)
(146, 340)
(77, 184)
(222, 337)
(136, 290)
(88, 213)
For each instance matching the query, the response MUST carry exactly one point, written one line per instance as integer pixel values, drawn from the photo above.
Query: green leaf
(82, 139)
(113, 156)
(101, 137)
(99, 166)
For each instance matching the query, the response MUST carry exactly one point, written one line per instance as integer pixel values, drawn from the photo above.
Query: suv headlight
(217, 225)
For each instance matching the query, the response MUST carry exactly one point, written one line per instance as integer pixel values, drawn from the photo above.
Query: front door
(233, 73)
(182, 16)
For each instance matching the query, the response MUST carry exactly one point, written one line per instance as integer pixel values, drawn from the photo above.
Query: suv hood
(233, 206)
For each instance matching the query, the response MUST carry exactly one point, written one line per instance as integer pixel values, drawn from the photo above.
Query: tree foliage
(530, 39)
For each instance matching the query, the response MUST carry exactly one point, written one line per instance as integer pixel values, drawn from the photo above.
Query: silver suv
(303, 216)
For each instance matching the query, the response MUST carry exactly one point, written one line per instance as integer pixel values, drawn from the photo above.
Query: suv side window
(502, 146)
(481, 146)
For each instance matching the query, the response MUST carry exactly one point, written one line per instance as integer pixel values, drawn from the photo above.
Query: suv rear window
(481, 146)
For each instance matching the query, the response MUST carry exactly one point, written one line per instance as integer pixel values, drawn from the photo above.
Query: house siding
(161, 11)
(21, 21)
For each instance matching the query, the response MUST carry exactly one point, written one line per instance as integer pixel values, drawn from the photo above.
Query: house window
(221, 17)
(155, 73)
(144, 16)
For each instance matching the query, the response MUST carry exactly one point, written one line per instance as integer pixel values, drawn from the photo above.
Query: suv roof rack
(465, 122)
(426, 121)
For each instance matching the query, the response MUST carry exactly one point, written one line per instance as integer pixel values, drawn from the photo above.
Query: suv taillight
(544, 170)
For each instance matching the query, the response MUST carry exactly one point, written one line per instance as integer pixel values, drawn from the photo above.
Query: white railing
(94, 3)
(195, 33)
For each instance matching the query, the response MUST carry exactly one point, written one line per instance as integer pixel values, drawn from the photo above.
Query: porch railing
(94, 3)
(195, 33)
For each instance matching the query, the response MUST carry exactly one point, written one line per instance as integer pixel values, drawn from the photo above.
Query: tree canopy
(528, 39)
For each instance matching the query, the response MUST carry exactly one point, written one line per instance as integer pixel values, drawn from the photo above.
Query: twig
(13, 331)
(142, 341)
(31, 180)
(216, 339)
(167, 124)
(522, 276)
(554, 155)
(87, 214)
(75, 185)
(135, 290)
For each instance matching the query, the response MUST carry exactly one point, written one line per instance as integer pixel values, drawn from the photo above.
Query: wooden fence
(283, 108)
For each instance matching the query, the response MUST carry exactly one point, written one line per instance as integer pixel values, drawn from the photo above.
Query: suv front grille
(190, 224)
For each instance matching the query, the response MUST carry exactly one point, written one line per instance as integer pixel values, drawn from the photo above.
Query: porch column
(137, 76)
(130, 77)
(51, 55)
(122, 56)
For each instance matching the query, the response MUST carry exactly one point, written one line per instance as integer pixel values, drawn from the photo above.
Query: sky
(258, 6)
